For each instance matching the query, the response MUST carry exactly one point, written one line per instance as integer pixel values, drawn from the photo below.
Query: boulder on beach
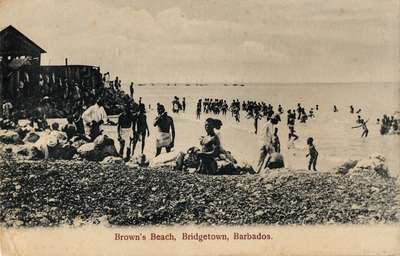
(65, 152)
(101, 147)
(10, 137)
(77, 142)
(31, 137)
(374, 165)
(346, 166)
(166, 159)
(139, 160)
(23, 150)
(112, 160)
(106, 146)
(89, 152)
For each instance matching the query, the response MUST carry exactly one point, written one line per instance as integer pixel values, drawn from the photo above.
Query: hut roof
(13, 42)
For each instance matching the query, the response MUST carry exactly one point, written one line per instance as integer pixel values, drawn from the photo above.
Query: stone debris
(48, 193)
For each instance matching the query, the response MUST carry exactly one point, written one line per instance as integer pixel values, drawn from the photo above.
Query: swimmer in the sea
(335, 109)
(364, 127)
(292, 133)
(311, 113)
(359, 120)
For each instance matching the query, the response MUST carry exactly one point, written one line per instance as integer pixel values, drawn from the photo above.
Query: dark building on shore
(24, 81)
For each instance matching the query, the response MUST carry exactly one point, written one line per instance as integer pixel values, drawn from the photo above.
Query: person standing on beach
(312, 153)
(183, 104)
(175, 105)
(256, 117)
(93, 118)
(298, 111)
(125, 129)
(265, 143)
(198, 109)
(141, 128)
(131, 90)
(166, 130)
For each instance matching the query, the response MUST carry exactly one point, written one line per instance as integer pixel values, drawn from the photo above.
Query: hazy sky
(217, 41)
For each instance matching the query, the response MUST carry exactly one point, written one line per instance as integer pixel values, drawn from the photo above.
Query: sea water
(334, 138)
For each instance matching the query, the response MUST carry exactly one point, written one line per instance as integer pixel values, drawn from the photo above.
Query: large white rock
(374, 164)
(9, 137)
(165, 159)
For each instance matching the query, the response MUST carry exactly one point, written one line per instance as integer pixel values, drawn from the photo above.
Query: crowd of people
(388, 124)
(90, 110)
(270, 154)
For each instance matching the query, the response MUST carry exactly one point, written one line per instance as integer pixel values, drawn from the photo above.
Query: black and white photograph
(153, 127)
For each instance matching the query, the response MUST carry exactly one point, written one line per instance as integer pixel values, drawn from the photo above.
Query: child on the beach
(312, 153)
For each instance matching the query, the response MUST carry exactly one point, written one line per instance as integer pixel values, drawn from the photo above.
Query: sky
(272, 41)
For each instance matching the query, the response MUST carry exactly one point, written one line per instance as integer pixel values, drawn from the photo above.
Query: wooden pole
(1, 90)
(66, 69)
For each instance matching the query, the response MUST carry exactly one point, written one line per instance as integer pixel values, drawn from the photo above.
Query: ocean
(334, 138)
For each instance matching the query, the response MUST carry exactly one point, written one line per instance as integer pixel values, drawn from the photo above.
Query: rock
(48, 193)
(346, 166)
(23, 151)
(139, 160)
(106, 146)
(131, 164)
(10, 137)
(108, 150)
(111, 160)
(375, 164)
(31, 137)
(77, 142)
(103, 140)
(166, 159)
(65, 152)
(89, 152)
(99, 149)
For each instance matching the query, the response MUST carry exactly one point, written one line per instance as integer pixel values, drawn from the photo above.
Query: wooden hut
(24, 82)
(16, 52)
